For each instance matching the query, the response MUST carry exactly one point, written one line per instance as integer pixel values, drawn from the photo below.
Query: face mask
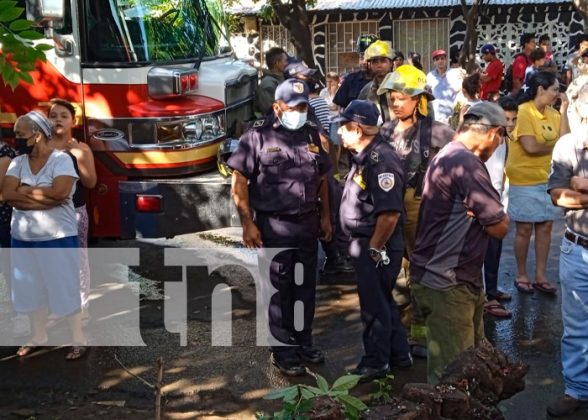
(293, 120)
(21, 147)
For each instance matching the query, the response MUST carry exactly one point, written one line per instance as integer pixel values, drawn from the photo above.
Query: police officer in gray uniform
(281, 195)
(371, 213)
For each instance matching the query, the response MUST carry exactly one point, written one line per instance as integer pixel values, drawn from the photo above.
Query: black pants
(491, 265)
(300, 236)
(384, 336)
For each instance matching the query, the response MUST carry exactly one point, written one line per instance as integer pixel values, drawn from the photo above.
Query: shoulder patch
(375, 156)
(386, 181)
(258, 123)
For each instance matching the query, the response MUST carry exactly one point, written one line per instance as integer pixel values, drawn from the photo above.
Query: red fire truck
(157, 97)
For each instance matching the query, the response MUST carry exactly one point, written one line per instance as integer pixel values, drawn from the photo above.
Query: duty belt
(287, 217)
(577, 239)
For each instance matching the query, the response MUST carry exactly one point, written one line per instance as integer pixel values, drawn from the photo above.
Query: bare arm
(85, 160)
(18, 199)
(569, 199)
(564, 123)
(240, 191)
(385, 225)
(58, 191)
(498, 230)
(531, 147)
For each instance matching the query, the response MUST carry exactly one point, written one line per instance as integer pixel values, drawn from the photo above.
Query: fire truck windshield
(151, 31)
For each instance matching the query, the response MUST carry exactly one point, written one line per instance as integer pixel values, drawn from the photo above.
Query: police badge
(386, 181)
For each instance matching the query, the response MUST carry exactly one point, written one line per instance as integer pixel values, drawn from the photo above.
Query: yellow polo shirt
(522, 168)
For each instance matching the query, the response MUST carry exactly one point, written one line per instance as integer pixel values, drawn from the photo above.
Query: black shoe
(418, 350)
(336, 265)
(288, 365)
(402, 364)
(368, 374)
(310, 354)
(565, 405)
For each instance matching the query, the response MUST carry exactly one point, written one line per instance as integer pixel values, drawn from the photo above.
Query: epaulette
(312, 124)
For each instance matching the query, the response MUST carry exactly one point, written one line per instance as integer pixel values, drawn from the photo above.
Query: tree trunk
(294, 17)
(582, 8)
(467, 55)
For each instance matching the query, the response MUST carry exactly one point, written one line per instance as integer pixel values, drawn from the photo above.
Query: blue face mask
(293, 120)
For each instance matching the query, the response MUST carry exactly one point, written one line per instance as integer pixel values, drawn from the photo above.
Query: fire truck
(158, 94)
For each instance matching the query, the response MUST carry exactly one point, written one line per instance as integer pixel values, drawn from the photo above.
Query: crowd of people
(433, 169)
(44, 227)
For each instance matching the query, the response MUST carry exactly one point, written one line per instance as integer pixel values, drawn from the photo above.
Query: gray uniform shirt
(570, 158)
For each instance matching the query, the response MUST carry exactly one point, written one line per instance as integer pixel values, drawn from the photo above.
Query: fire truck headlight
(210, 127)
(193, 130)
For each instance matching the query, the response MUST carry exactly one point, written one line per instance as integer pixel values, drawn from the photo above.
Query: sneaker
(565, 405)
(310, 354)
(21, 326)
(337, 265)
(418, 350)
(368, 374)
(289, 365)
(402, 364)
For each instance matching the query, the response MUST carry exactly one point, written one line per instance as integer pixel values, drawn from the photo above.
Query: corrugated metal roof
(249, 7)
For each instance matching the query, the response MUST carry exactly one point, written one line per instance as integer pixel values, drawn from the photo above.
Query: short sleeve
(562, 168)
(495, 70)
(480, 196)
(342, 96)
(387, 187)
(524, 125)
(15, 167)
(519, 66)
(244, 158)
(64, 166)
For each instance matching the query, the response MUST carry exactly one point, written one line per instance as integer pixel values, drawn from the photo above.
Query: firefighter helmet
(364, 41)
(379, 49)
(225, 150)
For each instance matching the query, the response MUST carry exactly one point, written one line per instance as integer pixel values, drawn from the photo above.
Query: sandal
(497, 310)
(29, 348)
(76, 352)
(545, 287)
(502, 296)
(524, 286)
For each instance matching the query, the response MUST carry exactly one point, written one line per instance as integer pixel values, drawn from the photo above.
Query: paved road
(202, 381)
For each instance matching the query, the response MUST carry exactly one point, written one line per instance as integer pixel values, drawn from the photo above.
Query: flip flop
(503, 296)
(497, 310)
(29, 348)
(524, 287)
(545, 287)
(76, 352)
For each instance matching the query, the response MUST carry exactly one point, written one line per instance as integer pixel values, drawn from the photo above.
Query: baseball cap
(488, 49)
(438, 53)
(295, 67)
(406, 79)
(359, 111)
(292, 91)
(487, 113)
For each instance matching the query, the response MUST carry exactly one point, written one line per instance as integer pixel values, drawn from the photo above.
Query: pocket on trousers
(566, 246)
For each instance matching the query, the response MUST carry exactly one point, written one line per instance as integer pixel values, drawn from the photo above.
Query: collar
(535, 113)
(362, 157)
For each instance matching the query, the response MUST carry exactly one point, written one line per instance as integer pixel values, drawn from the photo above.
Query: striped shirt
(321, 110)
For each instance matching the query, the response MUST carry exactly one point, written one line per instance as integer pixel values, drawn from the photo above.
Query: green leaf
(291, 394)
(305, 406)
(11, 13)
(321, 382)
(316, 391)
(20, 25)
(306, 393)
(353, 402)
(25, 77)
(32, 35)
(335, 394)
(345, 382)
(279, 393)
(44, 47)
(7, 4)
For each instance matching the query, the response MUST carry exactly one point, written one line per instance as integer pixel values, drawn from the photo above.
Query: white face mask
(293, 120)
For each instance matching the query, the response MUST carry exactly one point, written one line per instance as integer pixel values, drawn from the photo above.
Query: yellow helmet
(406, 79)
(379, 49)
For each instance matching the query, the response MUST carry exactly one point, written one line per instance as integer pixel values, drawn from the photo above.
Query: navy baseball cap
(292, 91)
(295, 67)
(359, 111)
(488, 49)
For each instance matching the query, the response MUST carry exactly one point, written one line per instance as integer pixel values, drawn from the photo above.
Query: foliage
(385, 388)
(19, 53)
(298, 400)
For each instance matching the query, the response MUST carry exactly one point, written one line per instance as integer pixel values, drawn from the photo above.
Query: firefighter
(371, 213)
(281, 194)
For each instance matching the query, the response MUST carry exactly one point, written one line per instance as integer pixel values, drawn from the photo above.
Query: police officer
(371, 213)
(279, 187)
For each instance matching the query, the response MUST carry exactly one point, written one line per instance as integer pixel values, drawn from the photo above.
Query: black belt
(286, 217)
(579, 240)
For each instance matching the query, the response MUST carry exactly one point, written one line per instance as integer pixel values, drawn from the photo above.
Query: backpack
(506, 85)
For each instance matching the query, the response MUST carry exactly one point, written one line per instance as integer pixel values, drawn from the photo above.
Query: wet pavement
(202, 381)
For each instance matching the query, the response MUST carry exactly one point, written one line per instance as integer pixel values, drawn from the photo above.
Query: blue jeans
(573, 273)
